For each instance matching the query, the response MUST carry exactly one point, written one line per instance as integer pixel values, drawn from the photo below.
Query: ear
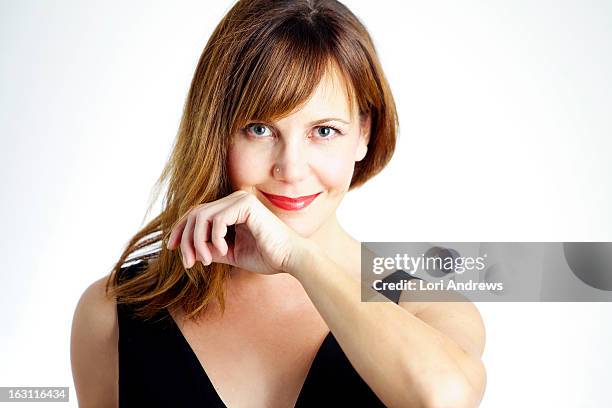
(364, 138)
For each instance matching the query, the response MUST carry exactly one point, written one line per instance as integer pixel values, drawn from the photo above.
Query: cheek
(335, 171)
(243, 166)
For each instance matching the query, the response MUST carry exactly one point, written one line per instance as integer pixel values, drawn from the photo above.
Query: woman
(252, 298)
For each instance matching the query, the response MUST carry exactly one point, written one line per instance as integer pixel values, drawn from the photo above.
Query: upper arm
(93, 348)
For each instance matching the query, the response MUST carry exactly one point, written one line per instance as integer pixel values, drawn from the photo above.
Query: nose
(291, 164)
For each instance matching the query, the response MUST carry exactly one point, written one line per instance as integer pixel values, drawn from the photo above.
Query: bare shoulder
(93, 347)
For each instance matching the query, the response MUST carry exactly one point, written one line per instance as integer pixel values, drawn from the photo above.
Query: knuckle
(193, 210)
(251, 199)
(200, 212)
(238, 193)
(217, 219)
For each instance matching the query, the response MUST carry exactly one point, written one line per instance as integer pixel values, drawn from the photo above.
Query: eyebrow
(316, 122)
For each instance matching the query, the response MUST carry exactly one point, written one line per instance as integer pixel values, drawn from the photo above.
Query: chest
(256, 356)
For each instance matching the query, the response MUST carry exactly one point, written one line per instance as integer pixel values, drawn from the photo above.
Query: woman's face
(312, 151)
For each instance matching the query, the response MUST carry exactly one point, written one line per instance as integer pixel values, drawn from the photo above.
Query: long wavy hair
(263, 60)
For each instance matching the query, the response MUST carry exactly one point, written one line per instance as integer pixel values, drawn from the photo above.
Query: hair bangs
(286, 74)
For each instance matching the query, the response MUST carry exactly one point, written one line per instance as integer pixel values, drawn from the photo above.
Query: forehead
(329, 100)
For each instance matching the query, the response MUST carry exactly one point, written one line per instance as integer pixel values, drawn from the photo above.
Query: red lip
(288, 203)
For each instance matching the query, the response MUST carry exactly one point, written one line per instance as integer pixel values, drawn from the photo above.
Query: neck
(334, 241)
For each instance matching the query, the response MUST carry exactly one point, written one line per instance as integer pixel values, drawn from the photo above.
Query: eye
(260, 131)
(257, 129)
(329, 132)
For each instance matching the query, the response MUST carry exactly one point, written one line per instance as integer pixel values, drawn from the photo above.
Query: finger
(177, 228)
(206, 232)
(217, 257)
(201, 236)
(186, 243)
(175, 234)
(234, 213)
(219, 230)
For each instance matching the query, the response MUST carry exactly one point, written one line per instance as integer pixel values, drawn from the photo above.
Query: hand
(262, 244)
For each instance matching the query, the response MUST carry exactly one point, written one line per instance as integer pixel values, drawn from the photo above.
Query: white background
(505, 136)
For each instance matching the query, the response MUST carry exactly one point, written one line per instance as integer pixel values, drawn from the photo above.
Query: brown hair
(263, 60)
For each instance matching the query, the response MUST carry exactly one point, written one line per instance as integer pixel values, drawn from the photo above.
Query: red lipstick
(288, 203)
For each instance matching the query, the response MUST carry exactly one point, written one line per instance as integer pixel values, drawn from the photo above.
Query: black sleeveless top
(158, 368)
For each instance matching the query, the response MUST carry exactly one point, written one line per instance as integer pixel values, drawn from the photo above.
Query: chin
(300, 223)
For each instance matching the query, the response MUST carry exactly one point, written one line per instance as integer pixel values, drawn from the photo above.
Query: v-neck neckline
(204, 374)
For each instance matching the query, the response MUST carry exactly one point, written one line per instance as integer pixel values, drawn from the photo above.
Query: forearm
(401, 357)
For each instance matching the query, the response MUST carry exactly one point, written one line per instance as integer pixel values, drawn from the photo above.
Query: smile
(290, 204)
